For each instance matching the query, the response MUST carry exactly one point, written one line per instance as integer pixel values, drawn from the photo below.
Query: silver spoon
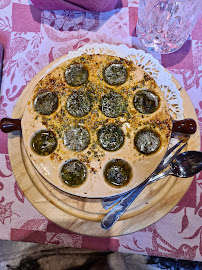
(185, 165)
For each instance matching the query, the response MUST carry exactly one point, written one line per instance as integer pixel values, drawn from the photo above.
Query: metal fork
(125, 200)
(108, 202)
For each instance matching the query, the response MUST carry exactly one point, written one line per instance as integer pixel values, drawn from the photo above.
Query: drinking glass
(164, 25)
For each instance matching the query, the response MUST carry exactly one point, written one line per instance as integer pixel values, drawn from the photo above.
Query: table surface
(30, 46)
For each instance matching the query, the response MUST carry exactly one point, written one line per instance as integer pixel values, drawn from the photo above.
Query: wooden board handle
(186, 126)
(9, 125)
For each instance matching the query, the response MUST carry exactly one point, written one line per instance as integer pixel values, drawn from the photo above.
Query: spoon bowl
(187, 164)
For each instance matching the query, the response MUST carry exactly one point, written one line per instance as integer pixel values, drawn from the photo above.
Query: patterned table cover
(34, 38)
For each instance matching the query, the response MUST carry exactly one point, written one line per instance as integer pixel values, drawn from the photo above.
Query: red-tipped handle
(9, 125)
(186, 126)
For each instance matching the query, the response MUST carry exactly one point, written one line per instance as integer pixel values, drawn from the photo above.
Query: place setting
(91, 134)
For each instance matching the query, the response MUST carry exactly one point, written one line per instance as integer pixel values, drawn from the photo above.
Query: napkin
(75, 5)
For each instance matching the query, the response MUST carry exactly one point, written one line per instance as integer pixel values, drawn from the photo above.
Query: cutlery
(184, 165)
(108, 202)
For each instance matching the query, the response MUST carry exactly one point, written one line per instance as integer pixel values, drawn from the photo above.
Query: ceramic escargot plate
(96, 126)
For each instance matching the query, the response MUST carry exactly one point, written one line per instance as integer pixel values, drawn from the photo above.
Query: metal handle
(117, 211)
(9, 125)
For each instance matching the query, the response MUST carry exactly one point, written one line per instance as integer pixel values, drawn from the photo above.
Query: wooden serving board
(83, 215)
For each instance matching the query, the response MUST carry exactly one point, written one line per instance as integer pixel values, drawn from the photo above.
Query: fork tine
(172, 149)
(109, 202)
(168, 159)
(163, 164)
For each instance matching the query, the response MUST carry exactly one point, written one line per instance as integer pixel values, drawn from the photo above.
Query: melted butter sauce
(46, 103)
(113, 105)
(44, 142)
(76, 74)
(79, 104)
(110, 137)
(146, 101)
(117, 172)
(115, 74)
(147, 141)
(73, 173)
(76, 138)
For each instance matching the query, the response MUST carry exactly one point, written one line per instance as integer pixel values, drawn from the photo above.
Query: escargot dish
(96, 125)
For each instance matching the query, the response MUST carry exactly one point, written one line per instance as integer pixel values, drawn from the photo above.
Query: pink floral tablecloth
(32, 38)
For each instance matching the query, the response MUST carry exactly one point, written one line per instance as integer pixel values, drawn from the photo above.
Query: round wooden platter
(83, 215)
